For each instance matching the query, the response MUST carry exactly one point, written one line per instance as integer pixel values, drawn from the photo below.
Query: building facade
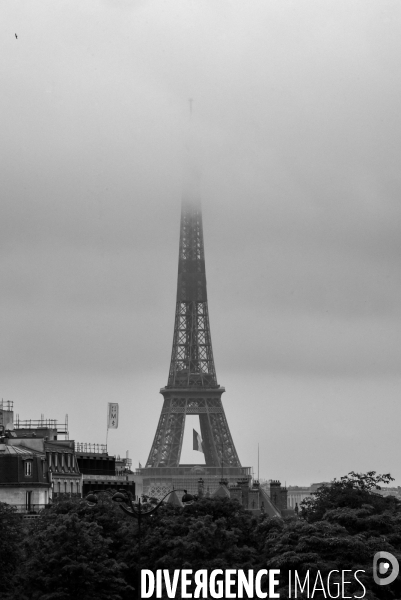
(37, 465)
(24, 481)
(64, 473)
(255, 498)
(100, 471)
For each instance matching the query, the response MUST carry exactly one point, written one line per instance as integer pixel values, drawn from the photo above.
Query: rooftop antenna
(258, 461)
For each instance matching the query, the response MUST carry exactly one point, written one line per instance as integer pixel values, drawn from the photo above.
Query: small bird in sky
(16, 36)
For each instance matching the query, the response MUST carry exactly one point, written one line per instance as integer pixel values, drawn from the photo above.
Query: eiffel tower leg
(166, 448)
(211, 456)
(223, 441)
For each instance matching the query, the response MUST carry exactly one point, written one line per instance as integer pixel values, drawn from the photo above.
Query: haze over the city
(298, 140)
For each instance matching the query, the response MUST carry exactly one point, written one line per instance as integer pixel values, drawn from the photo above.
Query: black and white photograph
(200, 291)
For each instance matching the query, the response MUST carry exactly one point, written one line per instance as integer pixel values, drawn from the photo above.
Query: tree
(11, 535)
(352, 491)
(69, 558)
(74, 552)
(209, 534)
(343, 526)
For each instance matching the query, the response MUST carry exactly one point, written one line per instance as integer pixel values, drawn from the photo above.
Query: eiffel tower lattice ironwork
(192, 387)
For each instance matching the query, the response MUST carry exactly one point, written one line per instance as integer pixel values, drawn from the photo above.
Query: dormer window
(28, 468)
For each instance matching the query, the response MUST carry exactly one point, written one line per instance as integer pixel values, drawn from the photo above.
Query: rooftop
(7, 449)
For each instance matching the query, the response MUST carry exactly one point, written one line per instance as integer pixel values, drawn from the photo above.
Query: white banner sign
(112, 416)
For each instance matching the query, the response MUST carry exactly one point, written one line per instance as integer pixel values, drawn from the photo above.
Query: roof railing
(6, 405)
(90, 448)
(42, 423)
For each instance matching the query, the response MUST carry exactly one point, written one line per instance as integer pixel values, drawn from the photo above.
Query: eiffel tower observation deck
(192, 387)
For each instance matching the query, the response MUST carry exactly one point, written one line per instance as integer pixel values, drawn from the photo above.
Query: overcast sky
(298, 139)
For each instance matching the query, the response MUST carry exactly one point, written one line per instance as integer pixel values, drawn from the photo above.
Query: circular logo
(385, 568)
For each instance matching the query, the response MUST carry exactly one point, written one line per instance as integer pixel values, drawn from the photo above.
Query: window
(55, 460)
(77, 487)
(69, 461)
(62, 461)
(28, 468)
(72, 487)
(65, 487)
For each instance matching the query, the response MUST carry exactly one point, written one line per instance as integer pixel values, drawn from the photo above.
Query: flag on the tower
(112, 416)
(197, 442)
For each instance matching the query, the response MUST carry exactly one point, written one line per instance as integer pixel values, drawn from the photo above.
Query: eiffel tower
(192, 387)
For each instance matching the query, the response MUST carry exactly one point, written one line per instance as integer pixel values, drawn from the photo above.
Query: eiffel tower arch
(192, 387)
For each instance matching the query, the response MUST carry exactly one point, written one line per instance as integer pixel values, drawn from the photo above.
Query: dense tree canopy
(11, 536)
(351, 491)
(70, 558)
(76, 552)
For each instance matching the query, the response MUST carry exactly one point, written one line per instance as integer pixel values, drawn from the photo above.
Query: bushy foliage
(351, 491)
(343, 526)
(76, 552)
(11, 536)
(69, 558)
(208, 534)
